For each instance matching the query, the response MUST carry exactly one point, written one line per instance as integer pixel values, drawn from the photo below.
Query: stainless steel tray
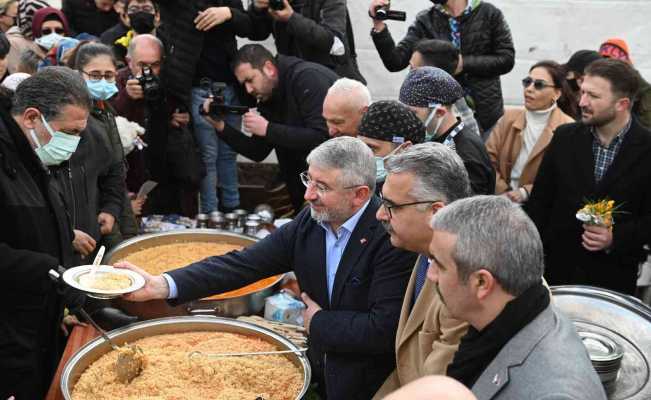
(247, 304)
(624, 319)
(93, 350)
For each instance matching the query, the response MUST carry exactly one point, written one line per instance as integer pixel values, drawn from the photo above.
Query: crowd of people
(423, 225)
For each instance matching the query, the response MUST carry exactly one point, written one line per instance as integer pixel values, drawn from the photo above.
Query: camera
(383, 13)
(276, 4)
(150, 85)
(218, 108)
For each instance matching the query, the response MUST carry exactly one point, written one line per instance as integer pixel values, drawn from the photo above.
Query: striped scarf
(26, 10)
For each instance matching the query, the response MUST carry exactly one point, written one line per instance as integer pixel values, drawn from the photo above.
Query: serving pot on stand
(247, 304)
(93, 350)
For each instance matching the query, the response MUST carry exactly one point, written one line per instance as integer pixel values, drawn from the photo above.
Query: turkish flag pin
(363, 241)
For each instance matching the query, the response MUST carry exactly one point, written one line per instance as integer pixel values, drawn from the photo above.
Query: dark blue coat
(352, 339)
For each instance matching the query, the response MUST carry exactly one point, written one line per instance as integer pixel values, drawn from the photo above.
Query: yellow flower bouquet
(598, 213)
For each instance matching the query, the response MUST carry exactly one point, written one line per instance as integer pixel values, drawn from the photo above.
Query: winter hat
(580, 60)
(616, 48)
(391, 121)
(429, 85)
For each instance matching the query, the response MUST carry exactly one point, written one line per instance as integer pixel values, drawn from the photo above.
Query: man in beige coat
(420, 180)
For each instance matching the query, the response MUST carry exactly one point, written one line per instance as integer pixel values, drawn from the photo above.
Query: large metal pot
(93, 350)
(247, 304)
(625, 320)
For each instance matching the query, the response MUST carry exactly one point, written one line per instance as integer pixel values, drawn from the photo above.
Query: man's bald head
(145, 50)
(344, 105)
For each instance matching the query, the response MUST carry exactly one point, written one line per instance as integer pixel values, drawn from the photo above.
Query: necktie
(421, 274)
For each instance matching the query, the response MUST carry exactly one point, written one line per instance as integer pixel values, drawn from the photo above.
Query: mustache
(387, 227)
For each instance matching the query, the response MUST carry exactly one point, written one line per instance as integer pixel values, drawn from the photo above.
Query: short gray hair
(50, 90)
(146, 38)
(354, 91)
(439, 173)
(351, 156)
(494, 234)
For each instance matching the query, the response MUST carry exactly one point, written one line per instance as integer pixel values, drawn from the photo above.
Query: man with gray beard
(352, 279)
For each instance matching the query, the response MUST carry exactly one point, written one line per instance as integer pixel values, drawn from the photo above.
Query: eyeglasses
(135, 9)
(47, 31)
(538, 84)
(388, 205)
(98, 76)
(321, 188)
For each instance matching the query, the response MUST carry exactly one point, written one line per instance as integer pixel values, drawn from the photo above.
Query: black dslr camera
(218, 109)
(383, 13)
(150, 85)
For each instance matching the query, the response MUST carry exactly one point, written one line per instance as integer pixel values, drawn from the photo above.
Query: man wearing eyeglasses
(352, 278)
(420, 181)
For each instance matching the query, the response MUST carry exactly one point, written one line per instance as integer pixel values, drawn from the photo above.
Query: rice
(166, 257)
(171, 375)
(105, 281)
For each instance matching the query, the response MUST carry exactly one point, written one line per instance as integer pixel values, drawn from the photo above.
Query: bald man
(344, 106)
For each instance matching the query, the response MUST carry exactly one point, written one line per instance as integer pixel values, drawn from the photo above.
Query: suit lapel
(405, 312)
(357, 243)
(630, 151)
(584, 157)
(419, 311)
(513, 354)
(316, 241)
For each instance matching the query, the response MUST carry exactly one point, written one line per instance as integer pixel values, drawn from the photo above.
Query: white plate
(72, 276)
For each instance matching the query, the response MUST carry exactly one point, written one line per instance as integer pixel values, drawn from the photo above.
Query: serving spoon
(130, 357)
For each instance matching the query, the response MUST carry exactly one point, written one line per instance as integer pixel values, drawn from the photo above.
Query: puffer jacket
(310, 33)
(486, 47)
(183, 42)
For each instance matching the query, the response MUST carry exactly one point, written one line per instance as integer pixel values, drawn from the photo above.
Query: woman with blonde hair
(519, 140)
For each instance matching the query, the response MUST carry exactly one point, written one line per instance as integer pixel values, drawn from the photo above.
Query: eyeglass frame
(388, 207)
(538, 84)
(307, 181)
(102, 76)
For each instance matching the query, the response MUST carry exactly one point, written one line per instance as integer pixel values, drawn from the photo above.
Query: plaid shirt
(604, 156)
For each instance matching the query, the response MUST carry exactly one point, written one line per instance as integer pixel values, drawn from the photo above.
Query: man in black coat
(430, 92)
(290, 94)
(50, 110)
(90, 16)
(314, 30)
(480, 33)
(352, 278)
(605, 156)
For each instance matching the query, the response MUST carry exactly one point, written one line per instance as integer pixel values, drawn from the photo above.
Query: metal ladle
(129, 363)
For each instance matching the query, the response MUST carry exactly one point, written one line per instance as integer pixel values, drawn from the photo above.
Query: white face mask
(49, 41)
(431, 134)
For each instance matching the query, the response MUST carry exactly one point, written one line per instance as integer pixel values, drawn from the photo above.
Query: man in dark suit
(352, 278)
(605, 156)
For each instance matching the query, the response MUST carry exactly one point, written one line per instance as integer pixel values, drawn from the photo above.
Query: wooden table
(79, 336)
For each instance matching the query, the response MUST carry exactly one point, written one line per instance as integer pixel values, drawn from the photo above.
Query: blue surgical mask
(58, 149)
(49, 41)
(380, 172)
(101, 90)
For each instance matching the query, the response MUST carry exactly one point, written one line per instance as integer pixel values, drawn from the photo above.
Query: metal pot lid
(601, 348)
(621, 318)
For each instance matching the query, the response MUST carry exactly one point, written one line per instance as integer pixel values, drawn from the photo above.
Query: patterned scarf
(455, 31)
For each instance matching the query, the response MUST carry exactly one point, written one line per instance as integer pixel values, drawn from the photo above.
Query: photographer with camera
(290, 94)
(480, 32)
(314, 30)
(170, 157)
(200, 43)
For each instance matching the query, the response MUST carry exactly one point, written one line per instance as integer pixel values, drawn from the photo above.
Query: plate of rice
(106, 283)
